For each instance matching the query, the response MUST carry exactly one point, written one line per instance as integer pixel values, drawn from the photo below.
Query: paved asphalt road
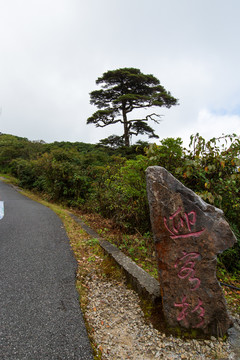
(40, 316)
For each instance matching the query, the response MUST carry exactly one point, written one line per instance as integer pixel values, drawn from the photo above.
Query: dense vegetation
(111, 181)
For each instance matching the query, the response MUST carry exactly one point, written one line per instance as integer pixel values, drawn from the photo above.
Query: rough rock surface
(188, 234)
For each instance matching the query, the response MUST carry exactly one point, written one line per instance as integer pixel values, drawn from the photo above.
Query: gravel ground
(121, 332)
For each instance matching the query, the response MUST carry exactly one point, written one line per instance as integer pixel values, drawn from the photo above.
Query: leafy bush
(126, 195)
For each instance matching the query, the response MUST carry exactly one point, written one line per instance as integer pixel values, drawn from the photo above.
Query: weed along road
(40, 317)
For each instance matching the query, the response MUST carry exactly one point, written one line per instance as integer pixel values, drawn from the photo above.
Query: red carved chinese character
(182, 222)
(185, 311)
(187, 270)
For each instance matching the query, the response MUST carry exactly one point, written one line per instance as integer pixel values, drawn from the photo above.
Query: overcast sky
(52, 51)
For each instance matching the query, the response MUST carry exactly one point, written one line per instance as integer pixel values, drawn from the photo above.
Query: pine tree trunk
(126, 133)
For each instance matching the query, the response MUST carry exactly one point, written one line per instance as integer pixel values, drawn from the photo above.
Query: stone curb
(141, 281)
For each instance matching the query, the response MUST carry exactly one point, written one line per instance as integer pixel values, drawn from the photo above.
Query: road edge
(143, 283)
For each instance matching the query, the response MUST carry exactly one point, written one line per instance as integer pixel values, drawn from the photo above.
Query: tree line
(111, 181)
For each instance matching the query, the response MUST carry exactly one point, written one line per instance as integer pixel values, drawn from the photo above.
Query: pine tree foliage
(124, 90)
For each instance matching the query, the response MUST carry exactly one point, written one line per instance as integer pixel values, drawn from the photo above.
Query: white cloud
(210, 123)
(52, 53)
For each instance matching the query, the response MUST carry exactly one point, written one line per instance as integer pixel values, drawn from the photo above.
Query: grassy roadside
(140, 248)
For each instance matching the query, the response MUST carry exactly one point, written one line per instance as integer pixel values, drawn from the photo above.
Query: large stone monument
(188, 234)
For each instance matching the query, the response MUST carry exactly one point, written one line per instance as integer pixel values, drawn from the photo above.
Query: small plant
(92, 241)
